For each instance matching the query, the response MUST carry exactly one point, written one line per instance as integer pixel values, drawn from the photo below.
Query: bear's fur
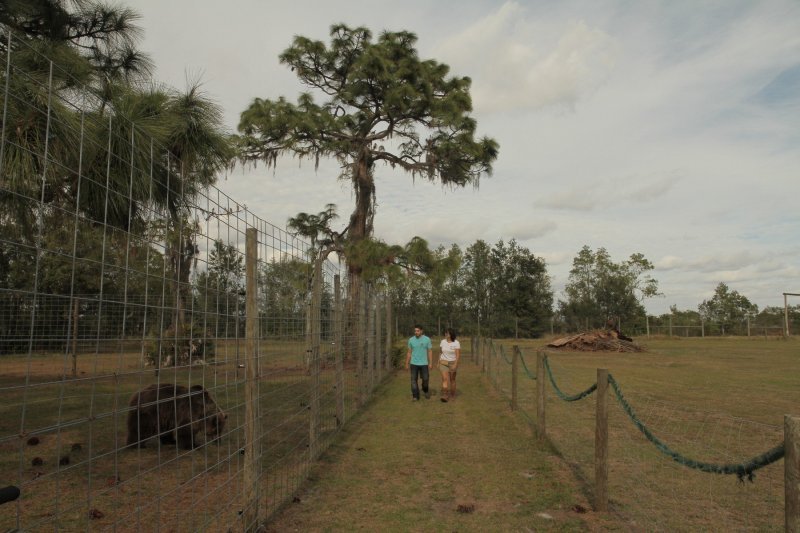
(174, 414)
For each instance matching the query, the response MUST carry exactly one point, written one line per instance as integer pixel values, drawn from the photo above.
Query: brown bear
(174, 414)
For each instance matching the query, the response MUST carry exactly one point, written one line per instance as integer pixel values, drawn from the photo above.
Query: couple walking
(420, 359)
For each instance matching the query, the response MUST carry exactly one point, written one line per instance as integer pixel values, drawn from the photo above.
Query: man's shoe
(414, 399)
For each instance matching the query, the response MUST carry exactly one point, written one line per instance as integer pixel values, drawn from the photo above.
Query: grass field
(104, 486)
(719, 400)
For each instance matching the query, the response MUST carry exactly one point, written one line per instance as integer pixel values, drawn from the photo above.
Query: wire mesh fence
(647, 488)
(142, 339)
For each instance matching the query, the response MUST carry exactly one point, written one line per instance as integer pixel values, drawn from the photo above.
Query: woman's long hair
(451, 334)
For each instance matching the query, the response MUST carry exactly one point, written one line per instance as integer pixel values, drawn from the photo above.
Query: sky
(669, 129)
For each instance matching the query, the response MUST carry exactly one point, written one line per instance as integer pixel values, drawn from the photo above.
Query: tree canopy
(727, 307)
(380, 104)
(599, 289)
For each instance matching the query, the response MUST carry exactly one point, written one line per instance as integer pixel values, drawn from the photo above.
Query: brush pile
(596, 341)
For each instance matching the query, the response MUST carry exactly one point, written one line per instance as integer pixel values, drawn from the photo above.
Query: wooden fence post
(337, 339)
(482, 350)
(601, 443)
(75, 317)
(496, 363)
(472, 349)
(791, 482)
(315, 319)
(361, 329)
(490, 362)
(514, 374)
(540, 395)
(370, 339)
(498, 359)
(378, 333)
(388, 356)
(251, 459)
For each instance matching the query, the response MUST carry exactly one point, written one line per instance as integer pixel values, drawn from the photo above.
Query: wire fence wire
(123, 343)
(648, 488)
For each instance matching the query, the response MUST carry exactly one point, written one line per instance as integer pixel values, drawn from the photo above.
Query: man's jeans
(416, 372)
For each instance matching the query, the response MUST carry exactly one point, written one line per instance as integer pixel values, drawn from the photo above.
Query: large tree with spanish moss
(379, 104)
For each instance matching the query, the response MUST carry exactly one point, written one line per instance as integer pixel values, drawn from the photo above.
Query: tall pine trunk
(359, 229)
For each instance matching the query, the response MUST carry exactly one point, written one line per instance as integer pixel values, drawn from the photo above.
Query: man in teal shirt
(420, 360)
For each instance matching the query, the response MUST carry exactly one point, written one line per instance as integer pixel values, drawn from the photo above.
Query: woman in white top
(448, 363)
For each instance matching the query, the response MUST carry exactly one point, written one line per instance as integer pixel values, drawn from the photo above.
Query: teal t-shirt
(419, 349)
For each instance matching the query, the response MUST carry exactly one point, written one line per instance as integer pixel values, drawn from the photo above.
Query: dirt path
(466, 465)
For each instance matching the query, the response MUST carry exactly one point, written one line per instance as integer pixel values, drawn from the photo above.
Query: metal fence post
(514, 374)
(791, 483)
(540, 395)
(251, 460)
(601, 443)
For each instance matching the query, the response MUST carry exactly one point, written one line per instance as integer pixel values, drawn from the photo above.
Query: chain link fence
(168, 359)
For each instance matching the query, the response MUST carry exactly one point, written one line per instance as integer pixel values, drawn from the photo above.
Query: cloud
(526, 230)
(557, 258)
(667, 128)
(571, 200)
(516, 67)
(669, 262)
(653, 190)
(600, 194)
